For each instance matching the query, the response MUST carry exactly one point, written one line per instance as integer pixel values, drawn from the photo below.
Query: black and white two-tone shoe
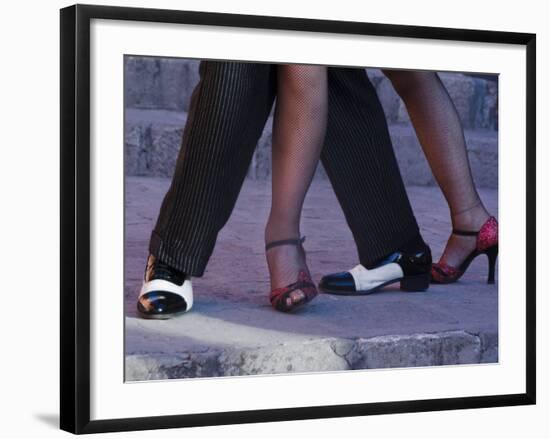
(411, 269)
(165, 293)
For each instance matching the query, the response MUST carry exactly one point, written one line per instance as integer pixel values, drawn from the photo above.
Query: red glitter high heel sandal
(487, 244)
(281, 298)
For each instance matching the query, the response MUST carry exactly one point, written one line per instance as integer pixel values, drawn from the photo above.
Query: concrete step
(167, 84)
(475, 98)
(175, 358)
(153, 139)
(159, 83)
(232, 329)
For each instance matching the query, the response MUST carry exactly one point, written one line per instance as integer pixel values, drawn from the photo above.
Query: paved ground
(233, 330)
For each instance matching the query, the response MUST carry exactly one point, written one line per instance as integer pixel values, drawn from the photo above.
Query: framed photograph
(198, 150)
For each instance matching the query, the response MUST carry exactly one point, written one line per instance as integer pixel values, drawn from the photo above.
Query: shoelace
(160, 270)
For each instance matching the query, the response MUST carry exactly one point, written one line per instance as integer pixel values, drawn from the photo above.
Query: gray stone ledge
(153, 138)
(318, 355)
(167, 84)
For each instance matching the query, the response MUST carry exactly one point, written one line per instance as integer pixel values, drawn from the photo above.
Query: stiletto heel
(278, 297)
(492, 253)
(486, 243)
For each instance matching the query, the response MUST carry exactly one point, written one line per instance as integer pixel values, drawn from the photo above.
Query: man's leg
(359, 159)
(229, 108)
(360, 162)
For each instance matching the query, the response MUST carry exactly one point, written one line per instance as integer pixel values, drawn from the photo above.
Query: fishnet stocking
(440, 133)
(298, 133)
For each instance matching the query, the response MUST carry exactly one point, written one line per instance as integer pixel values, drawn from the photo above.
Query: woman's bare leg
(298, 134)
(440, 133)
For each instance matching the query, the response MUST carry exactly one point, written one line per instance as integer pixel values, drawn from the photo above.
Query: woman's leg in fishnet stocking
(298, 133)
(440, 133)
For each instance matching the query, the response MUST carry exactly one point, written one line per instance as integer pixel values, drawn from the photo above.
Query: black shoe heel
(420, 282)
(492, 253)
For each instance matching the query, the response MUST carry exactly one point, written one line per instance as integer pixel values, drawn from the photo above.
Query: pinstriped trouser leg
(360, 162)
(229, 109)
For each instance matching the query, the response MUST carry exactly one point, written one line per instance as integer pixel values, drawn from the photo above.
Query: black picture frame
(75, 217)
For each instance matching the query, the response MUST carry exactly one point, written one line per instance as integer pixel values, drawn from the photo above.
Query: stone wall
(159, 83)
(157, 95)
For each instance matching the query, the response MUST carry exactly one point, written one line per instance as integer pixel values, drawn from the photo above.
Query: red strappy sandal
(487, 244)
(278, 297)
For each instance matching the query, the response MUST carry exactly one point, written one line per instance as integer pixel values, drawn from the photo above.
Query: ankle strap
(297, 241)
(464, 232)
(470, 233)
